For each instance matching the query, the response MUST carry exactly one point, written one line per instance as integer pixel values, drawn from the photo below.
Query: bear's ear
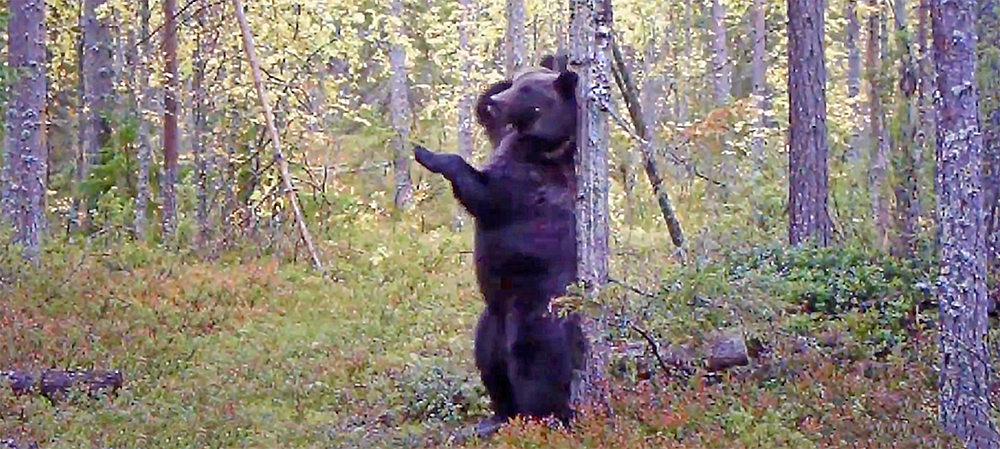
(566, 84)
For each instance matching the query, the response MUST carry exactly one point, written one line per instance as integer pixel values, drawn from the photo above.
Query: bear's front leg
(467, 184)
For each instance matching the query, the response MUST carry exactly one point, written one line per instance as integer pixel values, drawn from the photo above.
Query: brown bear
(525, 250)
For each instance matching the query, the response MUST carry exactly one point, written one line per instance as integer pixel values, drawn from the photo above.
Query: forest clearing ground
(250, 352)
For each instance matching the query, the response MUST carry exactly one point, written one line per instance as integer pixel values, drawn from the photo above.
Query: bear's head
(486, 115)
(541, 104)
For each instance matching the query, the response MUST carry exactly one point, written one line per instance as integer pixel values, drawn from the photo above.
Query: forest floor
(244, 351)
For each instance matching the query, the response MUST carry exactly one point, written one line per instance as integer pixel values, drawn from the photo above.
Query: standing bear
(525, 249)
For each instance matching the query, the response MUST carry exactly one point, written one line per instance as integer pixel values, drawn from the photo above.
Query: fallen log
(56, 384)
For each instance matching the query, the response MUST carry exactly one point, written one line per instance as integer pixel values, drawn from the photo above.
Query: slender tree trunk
(880, 134)
(904, 165)
(988, 28)
(279, 156)
(25, 161)
(683, 81)
(854, 79)
(925, 88)
(807, 160)
(965, 369)
(400, 105)
(201, 159)
(721, 70)
(466, 18)
(590, 21)
(145, 95)
(98, 82)
(759, 73)
(641, 122)
(515, 50)
(171, 111)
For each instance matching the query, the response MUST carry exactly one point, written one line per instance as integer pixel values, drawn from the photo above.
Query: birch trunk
(400, 106)
(590, 36)
(515, 48)
(465, 125)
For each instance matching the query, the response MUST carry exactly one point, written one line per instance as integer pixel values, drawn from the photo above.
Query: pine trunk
(25, 159)
(721, 72)
(807, 159)
(145, 96)
(98, 82)
(201, 160)
(880, 134)
(964, 376)
(903, 161)
(854, 79)
(988, 28)
(759, 73)
(171, 110)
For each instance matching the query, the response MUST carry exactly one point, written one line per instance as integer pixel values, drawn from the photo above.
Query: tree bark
(965, 367)
(877, 169)
(988, 28)
(25, 161)
(145, 95)
(854, 79)
(515, 48)
(590, 25)
(171, 110)
(201, 159)
(759, 73)
(904, 164)
(400, 106)
(96, 59)
(290, 192)
(807, 159)
(465, 125)
(720, 50)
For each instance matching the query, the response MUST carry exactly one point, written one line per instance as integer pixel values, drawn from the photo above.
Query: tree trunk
(925, 87)
(171, 110)
(807, 153)
(854, 79)
(145, 95)
(904, 165)
(466, 15)
(988, 29)
(400, 105)
(759, 73)
(279, 156)
(25, 161)
(880, 133)
(98, 84)
(201, 159)
(720, 72)
(590, 23)
(514, 57)
(964, 376)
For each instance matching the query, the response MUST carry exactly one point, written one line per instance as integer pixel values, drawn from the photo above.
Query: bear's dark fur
(525, 250)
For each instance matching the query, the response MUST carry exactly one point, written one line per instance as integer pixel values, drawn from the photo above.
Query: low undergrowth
(258, 351)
